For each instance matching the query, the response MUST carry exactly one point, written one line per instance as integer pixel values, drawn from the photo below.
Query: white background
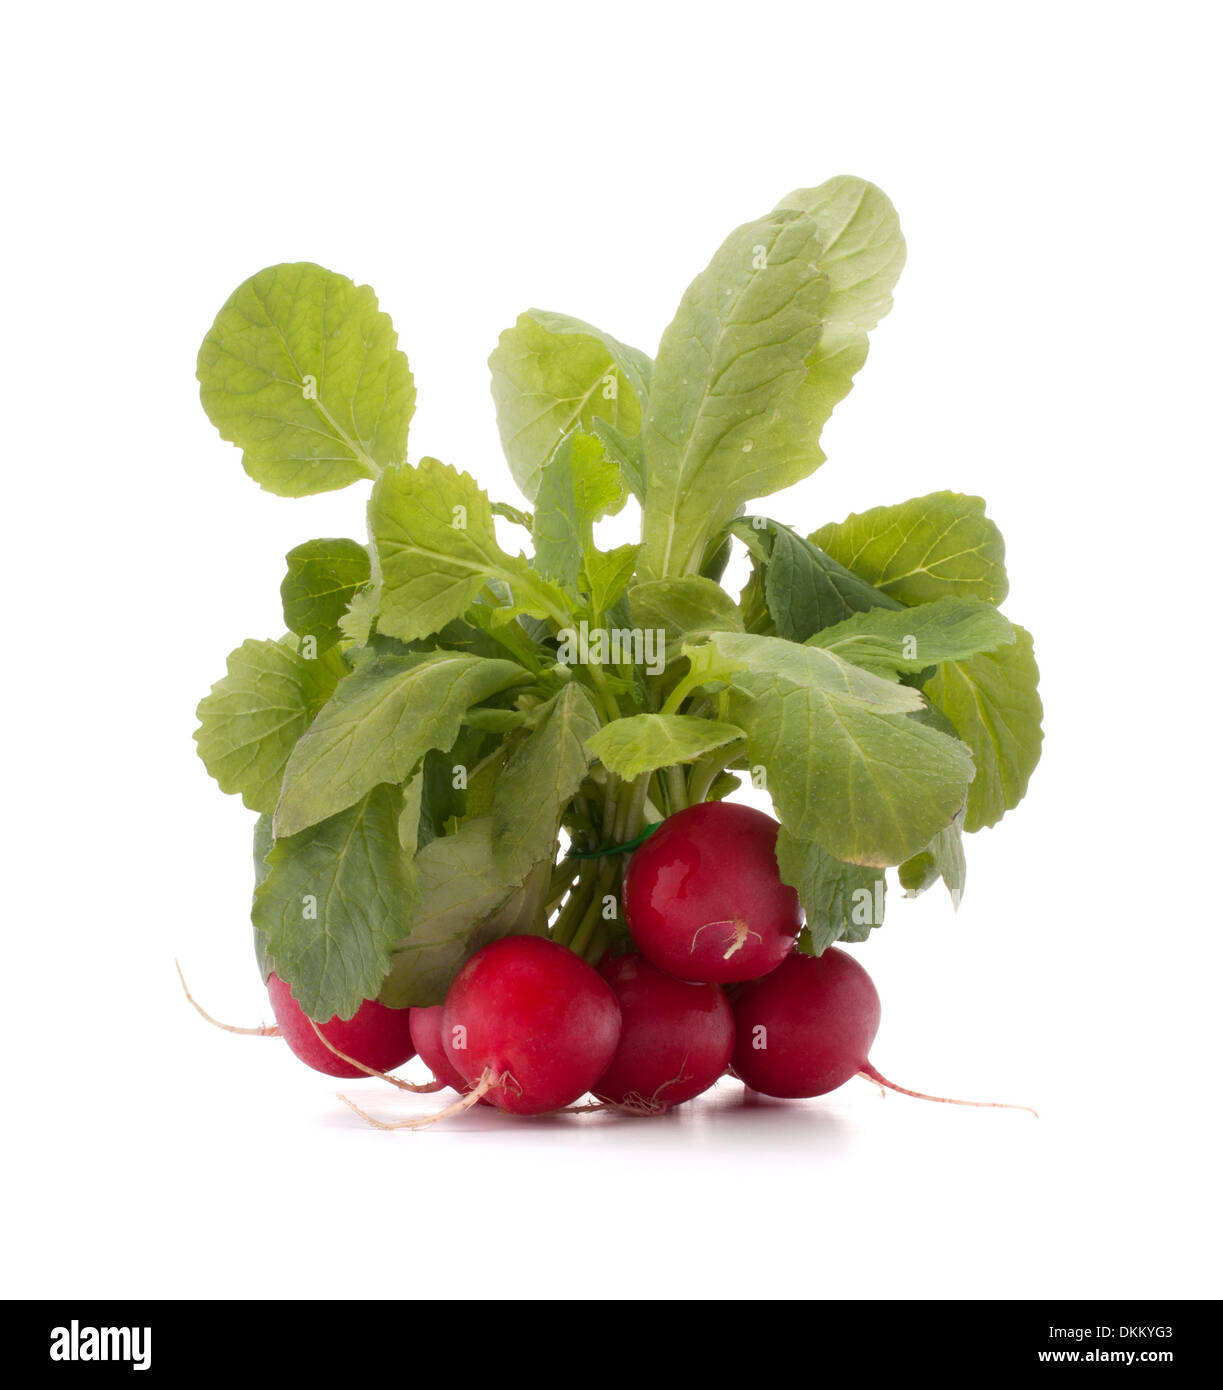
(1053, 347)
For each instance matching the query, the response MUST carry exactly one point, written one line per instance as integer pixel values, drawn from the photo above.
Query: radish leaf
(841, 902)
(540, 777)
(889, 642)
(761, 362)
(333, 902)
(805, 590)
(644, 742)
(322, 580)
(732, 357)
(461, 886)
(254, 716)
(607, 574)
(993, 701)
(433, 527)
(942, 858)
(923, 549)
(844, 765)
(302, 372)
(684, 607)
(382, 719)
(551, 373)
(577, 486)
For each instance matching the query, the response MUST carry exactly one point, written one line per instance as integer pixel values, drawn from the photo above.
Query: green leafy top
(445, 717)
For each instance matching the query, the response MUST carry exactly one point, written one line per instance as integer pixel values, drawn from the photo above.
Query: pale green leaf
(256, 713)
(433, 528)
(411, 813)
(684, 607)
(514, 514)
(577, 486)
(733, 356)
(926, 548)
(993, 701)
(302, 372)
(724, 784)
(889, 642)
(550, 373)
(753, 607)
(626, 453)
(862, 252)
(357, 621)
(263, 842)
(709, 665)
(378, 725)
(608, 574)
(335, 900)
(644, 742)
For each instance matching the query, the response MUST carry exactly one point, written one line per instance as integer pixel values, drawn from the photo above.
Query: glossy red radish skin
(431, 1048)
(534, 1018)
(703, 897)
(378, 1036)
(676, 1037)
(426, 1027)
(807, 1028)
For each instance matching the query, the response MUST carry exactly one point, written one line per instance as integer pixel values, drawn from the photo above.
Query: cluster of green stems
(614, 812)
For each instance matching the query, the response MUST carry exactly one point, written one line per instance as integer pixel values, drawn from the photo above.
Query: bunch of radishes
(474, 695)
(715, 983)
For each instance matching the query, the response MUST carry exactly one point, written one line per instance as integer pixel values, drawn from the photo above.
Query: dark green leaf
(542, 774)
(335, 900)
(842, 902)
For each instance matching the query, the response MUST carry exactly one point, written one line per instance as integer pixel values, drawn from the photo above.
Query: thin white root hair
(421, 1087)
(486, 1083)
(634, 1103)
(265, 1030)
(741, 932)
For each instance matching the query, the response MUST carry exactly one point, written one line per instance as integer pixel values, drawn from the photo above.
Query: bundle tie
(614, 849)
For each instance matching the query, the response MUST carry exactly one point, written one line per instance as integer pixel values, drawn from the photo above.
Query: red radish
(807, 1028)
(426, 1029)
(675, 1039)
(426, 1026)
(378, 1036)
(529, 1024)
(703, 897)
